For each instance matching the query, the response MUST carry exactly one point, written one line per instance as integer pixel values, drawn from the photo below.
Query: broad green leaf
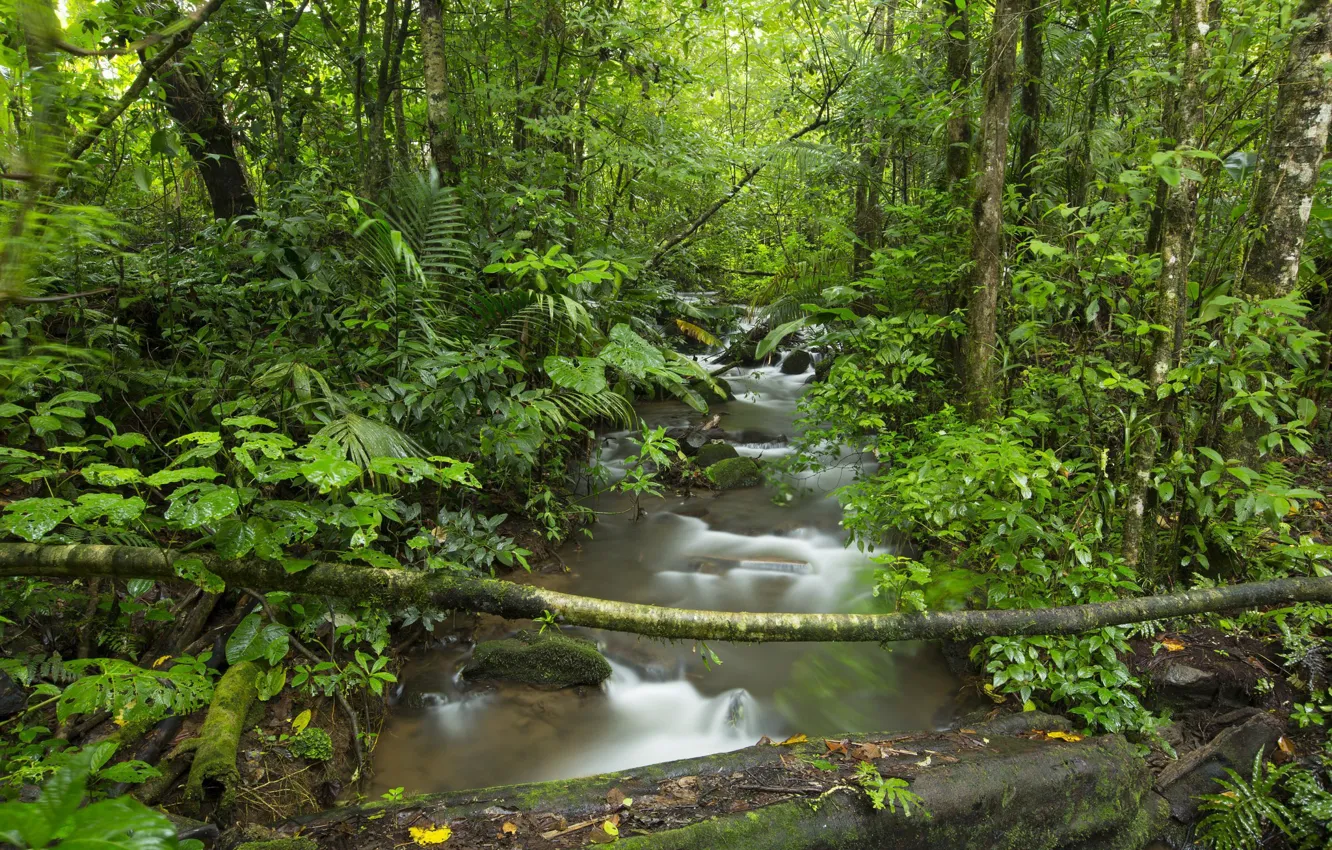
(330, 473)
(630, 353)
(194, 571)
(245, 643)
(213, 502)
(106, 475)
(584, 374)
(33, 519)
(115, 508)
(174, 476)
(777, 334)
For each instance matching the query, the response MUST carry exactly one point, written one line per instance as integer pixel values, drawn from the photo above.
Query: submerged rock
(721, 564)
(539, 659)
(734, 474)
(715, 452)
(796, 362)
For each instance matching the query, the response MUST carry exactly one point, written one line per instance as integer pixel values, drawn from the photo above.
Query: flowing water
(733, 551)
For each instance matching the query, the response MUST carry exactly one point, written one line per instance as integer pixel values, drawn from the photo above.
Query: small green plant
(887, 792)
(547, 621)
(654, 454)
(311, 743)
(393, 795)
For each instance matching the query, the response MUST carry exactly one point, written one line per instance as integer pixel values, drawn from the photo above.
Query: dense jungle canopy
(314, 311)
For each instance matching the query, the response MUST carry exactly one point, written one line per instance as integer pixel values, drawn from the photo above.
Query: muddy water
(734, 551)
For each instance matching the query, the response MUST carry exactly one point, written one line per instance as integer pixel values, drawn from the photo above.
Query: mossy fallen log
(397, 589)
(213, 774)
(976, 789)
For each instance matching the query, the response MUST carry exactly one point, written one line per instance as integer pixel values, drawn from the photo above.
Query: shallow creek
(663, 702)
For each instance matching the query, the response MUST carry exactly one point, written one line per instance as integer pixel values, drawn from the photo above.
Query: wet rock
(539, 659)
(752, 437)
(734, 474)
(691, 438)
(12, 697)
(714, 452)
(796, 362)
(721, 564)
(1196, 773)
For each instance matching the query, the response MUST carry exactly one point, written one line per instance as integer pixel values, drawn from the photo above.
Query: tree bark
(957, 56)
(401, 588)
(1029, 136)
(1288, 169)
(195, 108)
(987, 248)
(1178, 221)
(867, 217)
(434, 58)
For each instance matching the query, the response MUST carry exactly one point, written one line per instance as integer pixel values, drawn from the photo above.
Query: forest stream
(735, 551)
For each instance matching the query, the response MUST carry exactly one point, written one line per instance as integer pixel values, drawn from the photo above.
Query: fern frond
(696, 333)
(363, 439)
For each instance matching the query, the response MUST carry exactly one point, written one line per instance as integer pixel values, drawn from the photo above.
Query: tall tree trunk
(987, 249)
(867, 218)
(1178, 221)
(207, 135)
(1288, 169)
(395, 81)
(377, 152)
(957, 53)
(358, 81)
(1080, 166)
(1029, 136)
(434, 59)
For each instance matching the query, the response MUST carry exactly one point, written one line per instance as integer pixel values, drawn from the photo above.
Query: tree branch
(88, 137)
(401, 588)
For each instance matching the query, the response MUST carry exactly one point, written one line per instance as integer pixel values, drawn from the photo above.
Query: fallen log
(396, 589)
(987, 787)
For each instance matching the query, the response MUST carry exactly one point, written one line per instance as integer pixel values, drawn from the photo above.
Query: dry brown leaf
(967, 731)
(835, 746)
(615, 798)
(867, 752)
(1284, 744)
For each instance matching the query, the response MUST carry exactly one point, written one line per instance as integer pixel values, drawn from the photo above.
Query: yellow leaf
(628, 801)
(302, 720)
(794, 739)
(989, 692)
(509, 828)
(1071, 737)
(428, 836)
(1172, 645)
(610, 828)
(693, 331)
(925, 762)
(1284, 744)
(159, 662)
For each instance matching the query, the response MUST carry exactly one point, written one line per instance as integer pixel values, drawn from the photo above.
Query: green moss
(734, 474)
(311, 743)
(539, 659)
(214, 767)
(713, 453)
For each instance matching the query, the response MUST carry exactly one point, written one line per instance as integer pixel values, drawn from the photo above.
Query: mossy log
(213, 775)
(395, 589)
(977, 789)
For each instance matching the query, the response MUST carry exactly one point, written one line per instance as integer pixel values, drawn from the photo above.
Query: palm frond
(363, 439)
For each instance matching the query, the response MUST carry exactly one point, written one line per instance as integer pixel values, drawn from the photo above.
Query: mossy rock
(539, 659)
(715, 452)
(311, 743)
(734, 474)
(280, 844)
(796, 362)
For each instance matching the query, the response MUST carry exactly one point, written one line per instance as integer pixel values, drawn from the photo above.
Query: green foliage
(59, 816)
(888, 792)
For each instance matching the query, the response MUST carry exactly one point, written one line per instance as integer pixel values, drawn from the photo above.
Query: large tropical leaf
(631, 354)
(584, 374)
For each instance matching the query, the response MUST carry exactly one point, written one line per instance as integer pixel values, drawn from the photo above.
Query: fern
(696, 333)
(1311, 810)
(1239, 817)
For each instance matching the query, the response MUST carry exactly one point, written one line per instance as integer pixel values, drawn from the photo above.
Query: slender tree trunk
(434, 59)
(1080, 166)
(358, 81)
(1029, 137)
(395, 81)
(1292, 157)
(207, 135)
(377, 153)
(957, 54)
(1179, 219)
(867, 218)
(987, 248)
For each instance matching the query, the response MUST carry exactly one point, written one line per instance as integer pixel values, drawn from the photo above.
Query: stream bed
(733, 551)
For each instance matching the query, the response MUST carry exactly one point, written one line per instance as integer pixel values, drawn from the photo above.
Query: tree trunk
(957, 54)
(394, 589)
(400, 146)
(1178, 220)
(1080, 166)
(867, 218)
(377, 150)
(987, 244)
(207, 135)
(1029, 137)
(1288, 169)
(434, 58)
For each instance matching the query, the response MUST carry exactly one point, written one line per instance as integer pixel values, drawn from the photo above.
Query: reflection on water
(734, 551)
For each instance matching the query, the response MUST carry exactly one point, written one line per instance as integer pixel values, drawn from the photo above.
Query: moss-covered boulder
(796, 362)
(548, 658)
(713, 453)
(734, 474)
